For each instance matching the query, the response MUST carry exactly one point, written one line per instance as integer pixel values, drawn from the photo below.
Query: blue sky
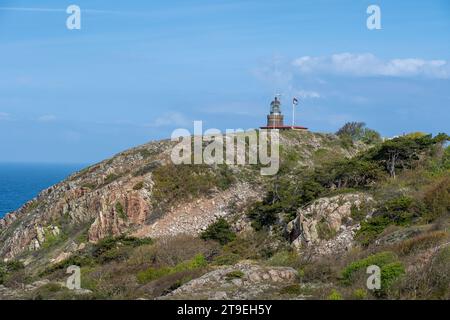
(139, 69)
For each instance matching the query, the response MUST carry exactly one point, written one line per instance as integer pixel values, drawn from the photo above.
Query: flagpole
(293, 114)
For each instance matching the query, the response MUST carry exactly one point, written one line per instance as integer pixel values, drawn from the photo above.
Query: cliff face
(117, 196)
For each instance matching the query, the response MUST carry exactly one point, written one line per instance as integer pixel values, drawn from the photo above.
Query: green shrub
(398, 211)
(179, 182)
(335, 295)
(109, 243)
(120, 211)
(227, 259)
(138, 186)
(379, 259)
(151, 274)
(219, 231)
(237, 274)
(7, 268)
(390, 273)
(296, 290)
(437, 199)
(359, 294)
(110, 178)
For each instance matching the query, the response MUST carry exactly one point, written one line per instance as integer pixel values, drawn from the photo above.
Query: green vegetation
(120, 211)
(407, 220)
(237, 274)
(150, 274)
(219, 231)
(8, 268)
(357, 131)
(110, 178)
(380, 259)
(138, 186)
(174, 183)
(391, 269)
(335, 295)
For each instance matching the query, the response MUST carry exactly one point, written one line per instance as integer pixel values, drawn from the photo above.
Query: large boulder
(245, 280)
(326, 226)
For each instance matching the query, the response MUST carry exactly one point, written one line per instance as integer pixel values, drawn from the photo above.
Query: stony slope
(141, 228)
(116, 196)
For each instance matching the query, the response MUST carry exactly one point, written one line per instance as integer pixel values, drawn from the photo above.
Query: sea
(21, 182)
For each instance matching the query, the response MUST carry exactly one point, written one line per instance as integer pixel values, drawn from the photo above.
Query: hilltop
(141, 227)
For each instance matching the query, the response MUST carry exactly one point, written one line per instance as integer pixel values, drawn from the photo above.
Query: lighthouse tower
(275, 118)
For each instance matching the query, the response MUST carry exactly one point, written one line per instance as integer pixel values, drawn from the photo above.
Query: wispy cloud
(170, 119)
(367, 64)
(46, 118)
(37, 9)
(4, 116)
(29, 9)
(306, 94)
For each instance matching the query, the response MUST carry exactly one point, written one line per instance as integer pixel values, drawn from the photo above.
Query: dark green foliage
(285, 197)
(138, 186)
(151, 274)
(398, 211)
(391, 269)
(357, 131)
(437, 199)
(180, 182)
(219, 231)
(349, 173)
(120, 211)
(105, 245)
(110, 178)
(149, 167)
(403, 152)
(237, 274)
(7, 268)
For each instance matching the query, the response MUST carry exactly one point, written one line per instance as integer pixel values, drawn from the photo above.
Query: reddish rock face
(115, 197)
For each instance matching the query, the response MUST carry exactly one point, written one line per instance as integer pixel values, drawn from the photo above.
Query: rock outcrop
(116, 197)
(326, 226)
(245, 280)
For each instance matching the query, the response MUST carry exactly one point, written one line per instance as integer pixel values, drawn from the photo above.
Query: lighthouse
(275, 119)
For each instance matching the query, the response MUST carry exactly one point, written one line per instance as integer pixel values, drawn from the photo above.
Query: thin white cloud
(306, 94)
(170, 119)
(4, 116)
(31, 9)
(367, 64)
(37, 9)
(47, 118)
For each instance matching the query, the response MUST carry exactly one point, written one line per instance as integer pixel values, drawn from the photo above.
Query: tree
(401, 152)
(357, 131)
(219, 231)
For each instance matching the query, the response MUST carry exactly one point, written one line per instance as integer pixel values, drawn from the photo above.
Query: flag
(295, 101)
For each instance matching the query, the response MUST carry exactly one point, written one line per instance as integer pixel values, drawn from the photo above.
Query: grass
(151, 274)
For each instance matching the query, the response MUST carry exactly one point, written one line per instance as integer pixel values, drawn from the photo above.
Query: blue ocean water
(22, 182)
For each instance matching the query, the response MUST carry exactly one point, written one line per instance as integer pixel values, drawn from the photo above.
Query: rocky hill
(141, 227)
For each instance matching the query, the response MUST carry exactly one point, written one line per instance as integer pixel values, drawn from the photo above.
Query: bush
(219, 231)
(335, 295)
(421, 242)
(391, 273)
(227, 259)
(398, 211)
(7, 268)
(357, 131)
(237, 274)
(437, 199)
(151, 274)
(379, 259)
(120, 211)
(138, 186)
(179, 182)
